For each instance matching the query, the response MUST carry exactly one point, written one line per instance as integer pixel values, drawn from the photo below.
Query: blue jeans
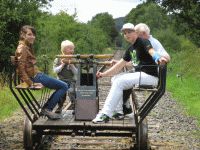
(59, 86)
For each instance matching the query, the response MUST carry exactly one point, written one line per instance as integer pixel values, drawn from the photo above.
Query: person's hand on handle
(66, 61)
(162, 61)
(99, 75)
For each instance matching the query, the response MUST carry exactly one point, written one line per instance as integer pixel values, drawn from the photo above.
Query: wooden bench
(35, 86)
(145, 88)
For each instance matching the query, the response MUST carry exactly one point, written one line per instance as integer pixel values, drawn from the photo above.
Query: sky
(86, 9)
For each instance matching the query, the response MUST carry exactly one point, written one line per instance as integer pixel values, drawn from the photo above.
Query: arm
(157, 58)
(160, 49)
(74, 69)
(128, 64)
(113, 70)
(21, 54)
(163, 52)
(57, 67)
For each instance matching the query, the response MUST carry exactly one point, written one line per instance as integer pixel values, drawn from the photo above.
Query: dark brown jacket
(26, 63)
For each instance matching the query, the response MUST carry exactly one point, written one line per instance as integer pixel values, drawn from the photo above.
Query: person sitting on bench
(66, 72)
(146, 55)
(29, 72)
(143, 32)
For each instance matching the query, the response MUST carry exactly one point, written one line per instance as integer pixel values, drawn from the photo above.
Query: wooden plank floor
(69, 120)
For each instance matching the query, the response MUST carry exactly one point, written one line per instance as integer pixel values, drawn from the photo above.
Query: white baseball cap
(128, 26)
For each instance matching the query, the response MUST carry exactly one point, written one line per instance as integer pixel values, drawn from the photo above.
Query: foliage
(169, 39)
(187, 14)
(92, 40)
(173, 42)
(150, 14)
(119, 23)
(52, 30)
(105, 22)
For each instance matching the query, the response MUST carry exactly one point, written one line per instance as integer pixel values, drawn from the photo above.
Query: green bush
(52, 30)
(169, 40)
(187, 45)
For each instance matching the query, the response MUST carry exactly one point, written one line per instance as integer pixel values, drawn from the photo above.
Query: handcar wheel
(27, 136)
(142, 136)
(36, 137)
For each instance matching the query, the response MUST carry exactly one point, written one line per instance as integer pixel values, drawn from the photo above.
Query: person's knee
(119, 83)
(65, 86)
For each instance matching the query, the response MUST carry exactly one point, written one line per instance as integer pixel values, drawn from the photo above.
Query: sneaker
(51, 115)
(118, 116)
(131, 115)
(101, 118)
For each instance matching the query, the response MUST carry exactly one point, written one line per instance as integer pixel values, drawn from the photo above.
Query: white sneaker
(131, 115)
(101, 118)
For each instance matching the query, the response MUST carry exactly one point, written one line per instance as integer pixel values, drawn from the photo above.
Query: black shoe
(58, 110)
(73, 112)
(118, 116)
(51, 115)
(127, 110)
(60, 106)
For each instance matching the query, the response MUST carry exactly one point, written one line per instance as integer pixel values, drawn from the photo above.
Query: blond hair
(142, 27)
(65, 44)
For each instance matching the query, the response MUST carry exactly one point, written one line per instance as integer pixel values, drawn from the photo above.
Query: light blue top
(157, 46)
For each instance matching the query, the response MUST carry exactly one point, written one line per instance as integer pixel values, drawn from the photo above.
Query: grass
(8, 103)
(187, 93)
(184, 81)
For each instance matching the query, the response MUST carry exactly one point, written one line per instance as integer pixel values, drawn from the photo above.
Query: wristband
(156, 57)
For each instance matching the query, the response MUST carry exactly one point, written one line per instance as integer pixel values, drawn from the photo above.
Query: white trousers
(122, 82)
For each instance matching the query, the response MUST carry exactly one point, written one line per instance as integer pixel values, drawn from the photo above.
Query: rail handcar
(87, 105)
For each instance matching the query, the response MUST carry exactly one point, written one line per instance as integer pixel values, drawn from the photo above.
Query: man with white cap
(145, 55)
(143, 32)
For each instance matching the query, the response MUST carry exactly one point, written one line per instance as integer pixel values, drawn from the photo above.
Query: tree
(187, 15)
(53, 29)
(105, 22)
(14, 14)
(151, 14)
